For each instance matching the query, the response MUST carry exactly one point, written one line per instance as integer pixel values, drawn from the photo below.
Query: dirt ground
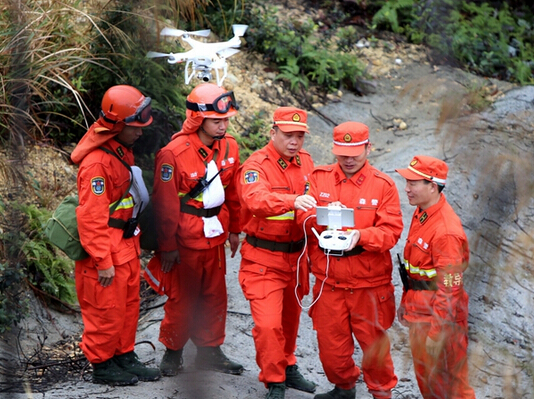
(415, 108)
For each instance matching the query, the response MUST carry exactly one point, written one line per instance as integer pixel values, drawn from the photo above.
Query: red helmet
(126, 104)
(211, 101)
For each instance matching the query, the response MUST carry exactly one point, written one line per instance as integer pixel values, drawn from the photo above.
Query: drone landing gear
(203, 72)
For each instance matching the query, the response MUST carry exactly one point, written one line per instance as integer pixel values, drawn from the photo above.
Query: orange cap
(290, 119)
(350, 139)
(428, 168)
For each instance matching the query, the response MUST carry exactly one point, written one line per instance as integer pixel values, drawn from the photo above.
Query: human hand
(401, 311)
(355, 239)
(305, 202)
(337, 203)
(105, 277)
(168, 259)
(233, 239)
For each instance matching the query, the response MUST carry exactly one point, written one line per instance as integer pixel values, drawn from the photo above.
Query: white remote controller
(335, 240)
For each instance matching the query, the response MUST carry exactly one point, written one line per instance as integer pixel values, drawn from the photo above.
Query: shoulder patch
(98, 185)
(251, 176)
(166, 172)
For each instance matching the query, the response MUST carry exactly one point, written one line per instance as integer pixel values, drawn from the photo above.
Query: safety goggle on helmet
(126, 104)
(212, 101)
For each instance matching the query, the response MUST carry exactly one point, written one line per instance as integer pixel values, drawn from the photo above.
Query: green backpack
(62, 229)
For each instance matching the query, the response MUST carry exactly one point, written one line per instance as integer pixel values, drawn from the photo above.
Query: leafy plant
(29, 260)
(302, 56)
(388, 16)
(489, 39)
(254, 137)
(46, 270)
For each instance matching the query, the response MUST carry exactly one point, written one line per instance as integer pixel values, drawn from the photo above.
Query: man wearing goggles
(220, 105)
(111, 272)
(197, 210)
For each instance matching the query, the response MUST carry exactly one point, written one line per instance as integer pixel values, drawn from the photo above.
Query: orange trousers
(446, 377)
(197, 300)
(276, 315)
(110, 314)
(365, 313)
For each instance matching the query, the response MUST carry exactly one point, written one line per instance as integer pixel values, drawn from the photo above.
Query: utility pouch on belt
(411, 284)
(403, 274)
(129, 228)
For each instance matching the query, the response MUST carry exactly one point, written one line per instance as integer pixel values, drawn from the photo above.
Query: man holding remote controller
(353, 293)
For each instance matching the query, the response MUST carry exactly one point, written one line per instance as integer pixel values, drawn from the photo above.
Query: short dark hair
(440, 186)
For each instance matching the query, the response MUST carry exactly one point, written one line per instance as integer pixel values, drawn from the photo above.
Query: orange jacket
(268, 186)
(102, 180)
(179, 166)
(377, 215)
(436, 249)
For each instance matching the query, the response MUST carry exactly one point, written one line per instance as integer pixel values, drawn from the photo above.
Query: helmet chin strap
(123, 143)
(213, 137)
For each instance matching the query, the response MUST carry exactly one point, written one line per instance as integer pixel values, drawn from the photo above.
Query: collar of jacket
(424, 215)
(358, 178)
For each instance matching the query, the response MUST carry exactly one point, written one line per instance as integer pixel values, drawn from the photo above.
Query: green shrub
(254, 137)
(489, 40)
(29, 260)
(302, 55)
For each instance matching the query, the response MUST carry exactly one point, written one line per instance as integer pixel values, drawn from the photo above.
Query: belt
(207, 213)
(287, 247)
(116, 223)
(422, 285)
(354, 251)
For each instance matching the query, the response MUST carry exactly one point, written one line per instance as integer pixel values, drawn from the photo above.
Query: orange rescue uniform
(196, 287)
(268, 185)
(109, 314)
(437, 252)
(354, 291)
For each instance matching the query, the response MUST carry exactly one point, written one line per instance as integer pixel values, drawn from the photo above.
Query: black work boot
(295, 380)
(172, 362)
(110, 373)
(130, 363)
(338, 393)
(276, 391)
(213, 358)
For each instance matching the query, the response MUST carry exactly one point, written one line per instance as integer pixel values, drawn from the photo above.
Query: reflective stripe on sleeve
(430, 273)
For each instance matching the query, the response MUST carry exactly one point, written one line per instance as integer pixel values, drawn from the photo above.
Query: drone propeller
(178, 32)
(155, 54)
(173, 58)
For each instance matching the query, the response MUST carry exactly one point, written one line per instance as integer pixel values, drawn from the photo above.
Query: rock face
(415, 109)
(490, 185)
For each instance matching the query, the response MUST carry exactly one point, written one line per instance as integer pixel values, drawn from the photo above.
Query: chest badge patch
(98, 185)
(166, 172)
(282, 163)
(251, 176)
(423, 218)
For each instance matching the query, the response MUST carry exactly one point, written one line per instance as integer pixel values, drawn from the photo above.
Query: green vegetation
(491, 40)
(29, 260)
(301, 54)
(255, 136)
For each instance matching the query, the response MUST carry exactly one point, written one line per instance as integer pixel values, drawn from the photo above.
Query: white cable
(327, 252)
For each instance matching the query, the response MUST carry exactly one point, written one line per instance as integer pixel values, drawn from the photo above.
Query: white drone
(203, 57)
